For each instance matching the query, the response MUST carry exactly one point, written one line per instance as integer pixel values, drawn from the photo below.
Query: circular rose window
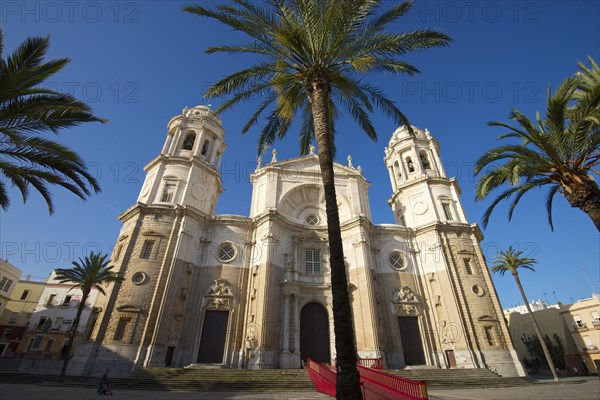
(226, 252)
(312, 219)
(397, 261)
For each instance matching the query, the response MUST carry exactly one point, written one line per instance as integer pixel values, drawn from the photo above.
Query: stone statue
(404, 295)
(174, 338)
(220, 288)
(446, 341)
(249, 341)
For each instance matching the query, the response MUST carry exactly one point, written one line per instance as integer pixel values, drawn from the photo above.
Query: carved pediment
(152, 233)
(404, 294)
(129, 308)
(310, 235)
(219, 296)
(408, 310)
(405, 302)
(220, 288)
(129, 311)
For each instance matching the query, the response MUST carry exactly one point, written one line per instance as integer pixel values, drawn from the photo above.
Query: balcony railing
(580, 326)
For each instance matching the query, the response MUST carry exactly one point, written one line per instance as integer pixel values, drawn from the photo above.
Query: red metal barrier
(323, 377)
(406, 388)
(374, 363)
(375, 384)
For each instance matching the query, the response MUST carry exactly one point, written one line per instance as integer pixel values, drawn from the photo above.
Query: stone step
(460, 378)
(266, 380)
(153, 384)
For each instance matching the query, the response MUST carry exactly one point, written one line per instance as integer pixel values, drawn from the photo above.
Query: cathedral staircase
(265, 380)
(459, 378)
(222, 380)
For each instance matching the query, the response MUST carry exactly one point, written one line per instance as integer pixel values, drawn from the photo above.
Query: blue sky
(138, 63)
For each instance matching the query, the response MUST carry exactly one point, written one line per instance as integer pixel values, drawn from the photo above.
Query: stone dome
(402, 133)
(201, 111)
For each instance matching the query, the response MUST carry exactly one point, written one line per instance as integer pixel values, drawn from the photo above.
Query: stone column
(293, 325)
(174, 142)
(213, 157)
(285, 338)
(166, 145)
(393, 178)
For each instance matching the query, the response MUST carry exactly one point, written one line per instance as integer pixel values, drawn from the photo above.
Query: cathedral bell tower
(186, 171)
(422, 194)
(141, 319)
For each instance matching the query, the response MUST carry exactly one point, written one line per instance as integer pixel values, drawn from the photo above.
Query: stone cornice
(287, 165)
(425, 179)
(186, 161)
(299, 284)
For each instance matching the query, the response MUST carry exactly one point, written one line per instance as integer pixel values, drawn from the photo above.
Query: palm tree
(310, 55)
(91, 272)
(27, 109)
(560, 151)
(511, 260)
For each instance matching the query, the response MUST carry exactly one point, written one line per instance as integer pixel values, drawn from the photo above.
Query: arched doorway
(314, 333)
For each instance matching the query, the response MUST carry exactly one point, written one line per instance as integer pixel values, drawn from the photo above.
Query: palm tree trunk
(536, 327)
(348, 378)
(72, 335)
(587, 198)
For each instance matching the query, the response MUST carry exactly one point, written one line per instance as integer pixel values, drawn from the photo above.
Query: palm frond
(560, 148)
(26, 111)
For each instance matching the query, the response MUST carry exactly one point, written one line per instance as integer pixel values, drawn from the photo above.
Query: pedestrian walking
(104, 389)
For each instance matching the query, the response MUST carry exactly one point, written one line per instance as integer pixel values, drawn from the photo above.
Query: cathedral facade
(254, 291)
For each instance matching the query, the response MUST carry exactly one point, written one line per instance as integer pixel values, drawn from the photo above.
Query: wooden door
(214, 334)
(412, 344)
(314, 333)
(451, 359)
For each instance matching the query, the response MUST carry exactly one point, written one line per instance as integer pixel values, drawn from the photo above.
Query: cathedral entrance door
(214, 333)
(314, 333)
(411, 340)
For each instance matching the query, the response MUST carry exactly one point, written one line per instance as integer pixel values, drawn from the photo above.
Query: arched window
(424, 161)
(188, 143)
(205, 147)
(410, 165)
